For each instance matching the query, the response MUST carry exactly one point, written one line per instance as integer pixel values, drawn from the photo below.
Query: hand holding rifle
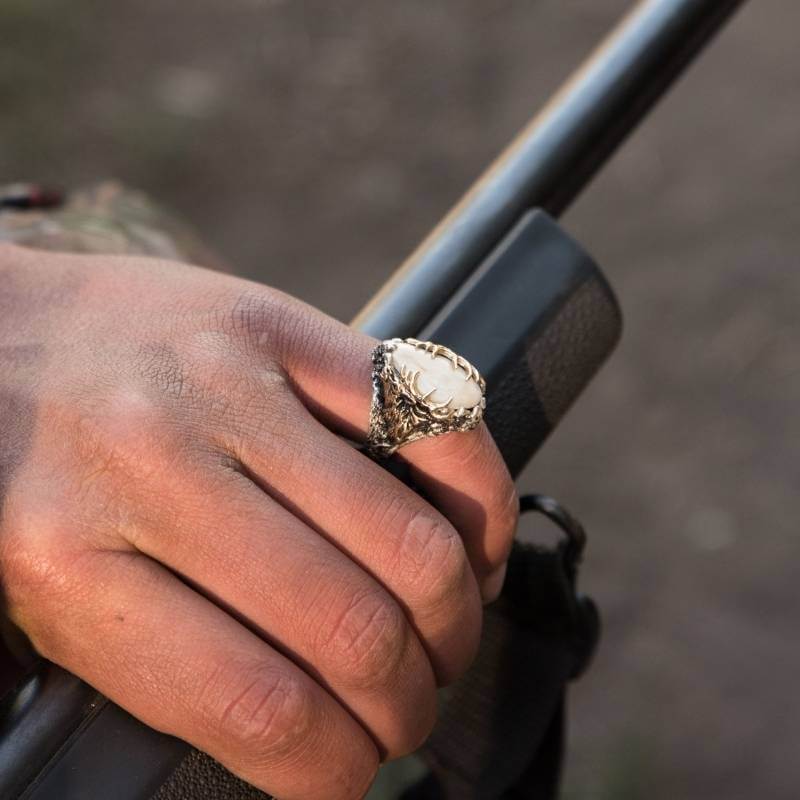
(184, 527)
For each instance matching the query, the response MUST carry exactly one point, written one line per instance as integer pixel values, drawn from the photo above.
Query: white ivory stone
(438, 375)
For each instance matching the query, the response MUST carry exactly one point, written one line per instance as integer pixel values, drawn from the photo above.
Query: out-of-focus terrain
(314, 142)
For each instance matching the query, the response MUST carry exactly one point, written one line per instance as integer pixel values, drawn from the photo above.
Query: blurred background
(314, 142)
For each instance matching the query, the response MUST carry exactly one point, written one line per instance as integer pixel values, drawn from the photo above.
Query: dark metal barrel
(553, 158)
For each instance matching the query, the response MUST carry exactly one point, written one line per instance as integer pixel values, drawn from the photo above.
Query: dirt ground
(315, 141)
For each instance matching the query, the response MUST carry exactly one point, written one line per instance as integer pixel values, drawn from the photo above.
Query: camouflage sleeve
(106, 218)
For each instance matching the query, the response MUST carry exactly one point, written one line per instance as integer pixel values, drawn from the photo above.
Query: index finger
(462, 473)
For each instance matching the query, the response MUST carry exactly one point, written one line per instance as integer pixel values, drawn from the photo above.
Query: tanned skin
(184, 525)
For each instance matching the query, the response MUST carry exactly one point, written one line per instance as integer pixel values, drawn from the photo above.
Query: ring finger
(300, 593)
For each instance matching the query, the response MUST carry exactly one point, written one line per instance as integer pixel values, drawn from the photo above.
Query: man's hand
(182, 525)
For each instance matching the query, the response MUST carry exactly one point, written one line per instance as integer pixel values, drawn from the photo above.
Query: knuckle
(262, 405)
(264, 713)
(118, 450)
(43, 586)
(162, 368)
(433, 561)
(441, 590)
(251, 315)
(118, 431)
(261, 319)
(366, 640)
(269, 320)
(27, 572)
(32, 548)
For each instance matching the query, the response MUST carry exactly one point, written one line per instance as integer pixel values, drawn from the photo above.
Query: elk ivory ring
(420, 389)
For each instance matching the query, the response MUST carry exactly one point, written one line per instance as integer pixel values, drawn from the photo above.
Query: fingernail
(493, 584)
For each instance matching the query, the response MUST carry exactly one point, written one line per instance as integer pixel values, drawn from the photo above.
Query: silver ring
(420, 389)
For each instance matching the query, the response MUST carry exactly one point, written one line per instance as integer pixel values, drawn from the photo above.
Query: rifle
(501, 283)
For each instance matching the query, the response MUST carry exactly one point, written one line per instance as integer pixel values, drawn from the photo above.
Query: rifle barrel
(553, 158)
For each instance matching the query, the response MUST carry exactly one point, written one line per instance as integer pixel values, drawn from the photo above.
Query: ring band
(420, 389)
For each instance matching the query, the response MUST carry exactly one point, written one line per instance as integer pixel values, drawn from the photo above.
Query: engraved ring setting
(420, 389)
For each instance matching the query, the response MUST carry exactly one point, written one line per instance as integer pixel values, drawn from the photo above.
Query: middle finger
(377, 521)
